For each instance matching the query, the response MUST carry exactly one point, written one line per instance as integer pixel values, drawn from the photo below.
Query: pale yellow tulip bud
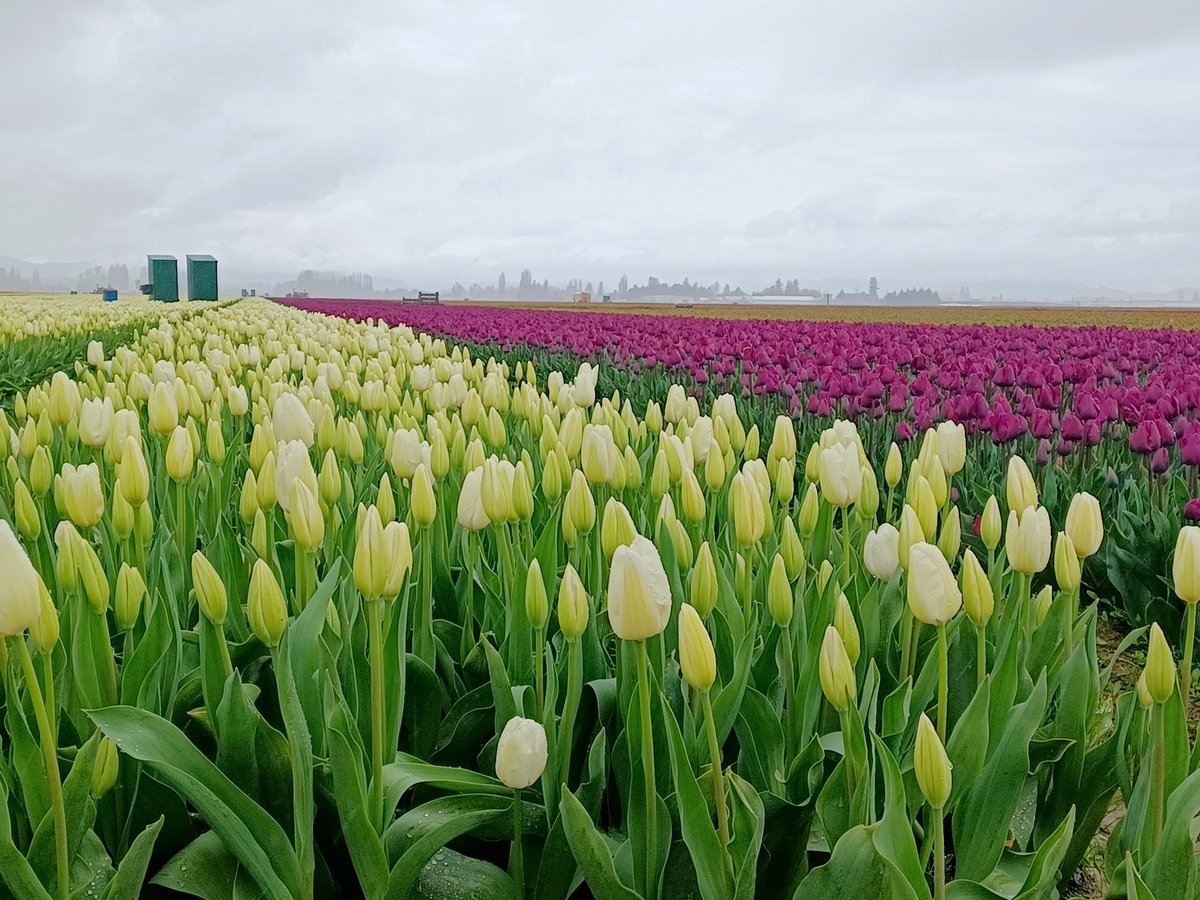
(521, 753)
(933, 594)
(703, 582)
(1067, 570)
(1042, 603)
(1019, 486)
(210, 589)
(537, 606)
(792, 550)
(779, 593)
(824, 574)
(370, 562)
(1160, 667)
(21, 599)
(616, 527)
(424, 497)
(810, 511)
(1027, 540)
(398, 555)
(305, 517)
(1185, 568)
(133, 473)
(950, 538)
(991, 526)
(893, 469)
(180, 456)
(836, 672)
(573, 608)
(697, 659)
(44, 630)
(25, 512)
(105, 769)
(92, 576)
(1085, 524)
(329, 481)
(931, 765)
(163, 409)
(847, 627)
(978, 599)
(639, 595)
(131, 590)
(266, 608)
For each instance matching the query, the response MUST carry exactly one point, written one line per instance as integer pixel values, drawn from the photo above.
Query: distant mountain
(45, 269)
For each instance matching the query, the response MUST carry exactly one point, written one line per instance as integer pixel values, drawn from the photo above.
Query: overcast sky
(920, 140)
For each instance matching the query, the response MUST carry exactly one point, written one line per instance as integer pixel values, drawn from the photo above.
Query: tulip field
(396, 601)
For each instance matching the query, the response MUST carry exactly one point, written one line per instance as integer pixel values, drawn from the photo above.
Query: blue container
(110, 296)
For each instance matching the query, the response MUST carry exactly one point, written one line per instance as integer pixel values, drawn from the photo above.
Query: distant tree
(873, 287)
(500, 285)
(623, 286)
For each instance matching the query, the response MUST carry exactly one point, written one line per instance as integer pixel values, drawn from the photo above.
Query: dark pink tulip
(1160, 461)
(1191, 512)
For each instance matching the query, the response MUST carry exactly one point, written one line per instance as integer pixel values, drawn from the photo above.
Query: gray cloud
(918, 139)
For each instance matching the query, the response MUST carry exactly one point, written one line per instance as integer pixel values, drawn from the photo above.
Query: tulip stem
(539, 666)
(846, 548)
(301, 564)
(375, 636)
(943, 681)
(1157, 787)
(222, 648)
(649, 887)
(425, 647)
(789, 696)
(980, 653)
(516, 861)
(53, 779)
(718, 776)
(1072, 601)
(939, 855)
(570, 707)
(180, 533)
(1185, 668)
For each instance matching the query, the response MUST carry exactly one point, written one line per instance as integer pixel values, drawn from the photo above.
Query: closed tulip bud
(616, 527)
(977, 596)
(424, 498)
(21, 599)
(214, 440)
(580, 504)
(1066, 563)
(370, 556)
(691, 497)
(44, 630)
(537, 606)
(812, 464)
(933, 594)
(83, 495)
(639, 595)
(291, 421)
(847, 627)
(836, 672)
(92, 576)
(779, 593)
(841, 475)
(329, 481)
(25, 512)
(750, 449)
(792, 550)
(95, 421)
(1185, 567)
(551, 478)
(932, 765)
(936, 478)
(1027, 540)
(1160, 667)
(41, 471)
(1042, 602)
(868, 497)
(131, 590)
(1145, 701)
(824, 574)
(703, 582)
(522, 493)
(180, 456)
(660, 475)
(471, 513)
(950, 538)
(133, 473)
(210, 589)
(881, 552)
(573, 608)
(398, 556)
(305, 517)
(64, 399)
(893, 469)
(909, 534)
(991, 526)
(259, 537)
(521, 753)
(952, 447)
(385, 500)
(248, 500)
(105, 769)
(145, 525)
(746, 510)
(163, 410)
(262, 444)
(239, 403)
(266, 608)
(714, 471)
(653, 418)
(810, 511)
(95, 353)
(785, 481)
(925, 506)
(1085, 524)
(697, 659)
(1019, 486)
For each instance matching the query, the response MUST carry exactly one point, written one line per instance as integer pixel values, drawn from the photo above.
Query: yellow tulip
(697, 660)
(1027, 540)
(933, 594)
(835, 672)
(639, 595)
(1185, 568)
(21, 599)
(1085, 524)
(931, 765)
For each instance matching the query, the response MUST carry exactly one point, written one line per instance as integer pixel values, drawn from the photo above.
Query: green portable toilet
(202, 277)
(164, 278)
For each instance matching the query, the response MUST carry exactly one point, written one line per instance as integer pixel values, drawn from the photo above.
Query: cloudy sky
(920, 140)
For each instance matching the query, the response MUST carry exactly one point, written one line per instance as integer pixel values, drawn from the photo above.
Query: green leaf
(1171, 872)
(131, 873)
(711, 860)
(252, 835)
(433, 825)
(856, 870)
(982, 817)
(204, 868)
(592, 852)
(14, 868)
(80, 813)
(453, 876)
